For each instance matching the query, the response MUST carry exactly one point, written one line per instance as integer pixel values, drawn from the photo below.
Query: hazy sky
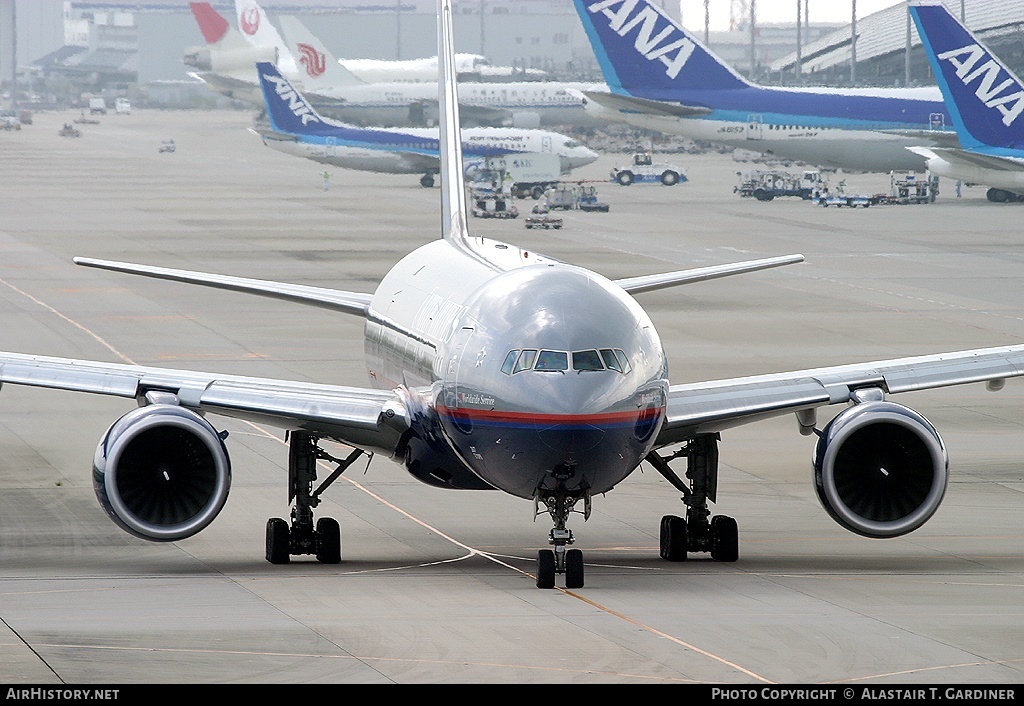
(779, 11)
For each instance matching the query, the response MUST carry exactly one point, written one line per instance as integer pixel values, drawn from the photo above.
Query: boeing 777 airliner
(661, 77)
(497, 368)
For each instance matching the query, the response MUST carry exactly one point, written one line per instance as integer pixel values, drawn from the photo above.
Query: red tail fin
(213, 26)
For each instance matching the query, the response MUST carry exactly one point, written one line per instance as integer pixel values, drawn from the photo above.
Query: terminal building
(86, 45)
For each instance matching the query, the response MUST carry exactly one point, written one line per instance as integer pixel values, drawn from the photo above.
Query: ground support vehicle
(840, 200)
(543, 220)
(769, 184)
(167, 146)
(645, 170)
(495, 204)
(97, 106)
(588, 200)
(910, 188)
(69, 131)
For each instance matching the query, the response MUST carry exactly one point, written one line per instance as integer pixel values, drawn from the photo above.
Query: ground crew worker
(327, 181)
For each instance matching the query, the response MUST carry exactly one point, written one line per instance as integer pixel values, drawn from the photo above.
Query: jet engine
(161, 472)
(880, 469)
(228, 60)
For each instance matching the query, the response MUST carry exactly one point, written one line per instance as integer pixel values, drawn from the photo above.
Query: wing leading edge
(372, 420)
(710, 407)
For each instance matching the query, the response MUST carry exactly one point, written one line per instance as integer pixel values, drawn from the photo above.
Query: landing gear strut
(301, 537)
(559, 503)
(698, 532)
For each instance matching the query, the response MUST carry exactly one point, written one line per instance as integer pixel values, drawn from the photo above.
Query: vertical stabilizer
(317, 66)
(454, 214)
(215, 28)
(287, 110)
(645, 53)
(257, 29)
(984, 98)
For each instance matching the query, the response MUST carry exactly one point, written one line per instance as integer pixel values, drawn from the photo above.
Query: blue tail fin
(645, 53)
(287, 110)
(984, 98)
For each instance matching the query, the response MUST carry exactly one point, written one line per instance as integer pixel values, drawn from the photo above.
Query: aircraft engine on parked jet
(228, 60)
(161, 472)
(880, 469)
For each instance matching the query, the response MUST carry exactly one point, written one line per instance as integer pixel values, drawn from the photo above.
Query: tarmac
(437, 587)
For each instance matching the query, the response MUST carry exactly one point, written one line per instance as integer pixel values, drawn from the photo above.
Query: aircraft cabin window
(586, 360)
(552, 360)
(526, 360)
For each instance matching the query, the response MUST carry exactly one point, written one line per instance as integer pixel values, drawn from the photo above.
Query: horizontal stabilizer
(632, 104)
(349, 302)
(964, 158)
(647, 283)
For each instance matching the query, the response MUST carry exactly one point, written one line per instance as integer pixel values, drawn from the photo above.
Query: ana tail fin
(984, 98)
(317, 66)
(287, 110)
(643, 52)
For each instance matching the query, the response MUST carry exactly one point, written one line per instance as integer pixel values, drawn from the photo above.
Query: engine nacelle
(228, 60)
(880, 469)
(161, 472)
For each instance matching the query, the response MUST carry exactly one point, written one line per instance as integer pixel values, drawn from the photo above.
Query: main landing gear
(559, 503)
(698, 532)
(301, 537)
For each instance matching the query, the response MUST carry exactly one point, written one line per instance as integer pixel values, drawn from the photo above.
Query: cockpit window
(586, 360)
(623, 360)
(526, 360)
(571, 144)
(510, 360)
(552, 360)
(608, 355)
(518, 360)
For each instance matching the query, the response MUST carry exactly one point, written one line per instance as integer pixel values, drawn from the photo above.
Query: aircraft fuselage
(544, 373)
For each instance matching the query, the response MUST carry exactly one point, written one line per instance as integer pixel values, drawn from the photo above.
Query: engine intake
(161, 472)
(880, 469)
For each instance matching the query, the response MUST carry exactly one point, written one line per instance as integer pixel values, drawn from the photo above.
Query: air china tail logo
(972, 63)
(314, 61)
(669, 45)
(299, 107)
(249, 19)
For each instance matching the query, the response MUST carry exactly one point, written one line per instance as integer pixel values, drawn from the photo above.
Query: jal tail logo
(314, 61)
(249, 19)
(657, 38)
(972, 63)
(299, 107)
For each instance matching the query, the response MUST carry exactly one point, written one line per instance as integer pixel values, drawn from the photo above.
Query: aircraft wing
(647, 283)
(965, 158)
(939, 138)
(632, 104)
(709, 407)
(349, 302)
(372, 420)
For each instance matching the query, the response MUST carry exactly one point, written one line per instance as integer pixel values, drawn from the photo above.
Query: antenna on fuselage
(454, 213)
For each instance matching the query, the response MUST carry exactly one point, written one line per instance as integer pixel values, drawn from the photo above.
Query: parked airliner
(661, 77)
(986, 100)
(523, 104)
(256, 27)
(297, 128)
(493, 367)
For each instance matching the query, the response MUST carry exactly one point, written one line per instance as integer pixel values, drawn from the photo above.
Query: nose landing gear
(559, 503)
